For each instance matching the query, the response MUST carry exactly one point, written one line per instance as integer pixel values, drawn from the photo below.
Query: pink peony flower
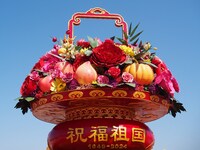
(127, 77)
(167, 82)
(102, 79)
(99, 41)
(66, 77)
(139, 88)
(34, 76)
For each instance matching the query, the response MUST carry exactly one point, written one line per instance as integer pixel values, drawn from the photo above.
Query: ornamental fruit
(143, 74)
(64, 67)
(85, 73)
(54, 39)
(45, 83)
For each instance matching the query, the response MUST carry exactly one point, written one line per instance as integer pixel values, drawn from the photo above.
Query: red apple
(64, 67)
(45, 83)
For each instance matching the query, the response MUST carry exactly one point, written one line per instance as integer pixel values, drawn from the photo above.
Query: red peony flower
(28, 87)
(114, 72)
(79, 60)
(82, 43)
(107, 55)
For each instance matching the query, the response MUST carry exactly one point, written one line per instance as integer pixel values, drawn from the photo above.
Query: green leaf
(131, 84)
(122, 41)
(88, 52)
(139, 55)
(103, 85)
(134, 37)
(150, 64)
(93, 42)
(23, 105)
(128, 61)
(28, 99)
(133, 31)
(175, 107)
(18, 98)
(112, 38)
(130, 28)
(135, 42)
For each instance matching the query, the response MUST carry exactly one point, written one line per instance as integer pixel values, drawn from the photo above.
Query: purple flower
(66, 77)
(55, 73)
(73, 84)
(101, 79)
(153, 89)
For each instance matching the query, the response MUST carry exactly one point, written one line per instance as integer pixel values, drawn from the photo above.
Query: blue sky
(25, 30)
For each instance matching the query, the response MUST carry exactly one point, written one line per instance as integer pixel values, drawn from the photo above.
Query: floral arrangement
(95, 63)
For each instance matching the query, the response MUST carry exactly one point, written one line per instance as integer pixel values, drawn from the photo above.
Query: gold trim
(99, 112)
(97, 93)
(34, 105)
(139, 95)
(42, 101)
(165, 103)
(75, 94)
(150, 146)
(154, 98)
(119, 93)
(56, 97)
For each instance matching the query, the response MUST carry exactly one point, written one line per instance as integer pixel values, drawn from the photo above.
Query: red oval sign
(99, 134)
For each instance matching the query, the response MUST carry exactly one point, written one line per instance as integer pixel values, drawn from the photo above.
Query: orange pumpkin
(143, 74)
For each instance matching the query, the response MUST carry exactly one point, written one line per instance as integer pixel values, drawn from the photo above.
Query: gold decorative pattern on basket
(100, 112)
(75, 94)
(139, 95)
(34, 105)
(97, 93)
(119, 93)
(154, 98)
(164, 102)
(56, 97)
(42, 101)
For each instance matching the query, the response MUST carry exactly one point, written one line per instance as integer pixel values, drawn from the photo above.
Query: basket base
(117, 103)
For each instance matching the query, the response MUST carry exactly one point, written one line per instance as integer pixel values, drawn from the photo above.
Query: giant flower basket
(100, 93)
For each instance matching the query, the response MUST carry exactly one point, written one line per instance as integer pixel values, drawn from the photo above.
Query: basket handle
(96, 13)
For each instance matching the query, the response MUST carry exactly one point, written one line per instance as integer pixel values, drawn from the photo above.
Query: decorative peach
(64, 67)
(45, 83)
(85, 73)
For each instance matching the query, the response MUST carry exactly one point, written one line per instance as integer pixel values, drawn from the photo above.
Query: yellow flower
(147, 46)
(127, 50)
(155, 48)
(58, 85)
(82, 51)
(62, 51)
